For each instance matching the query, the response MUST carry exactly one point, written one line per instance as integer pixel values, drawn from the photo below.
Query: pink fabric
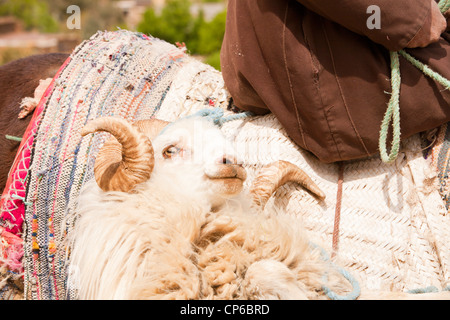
(11, 204)
(11, 250)
(14, 207)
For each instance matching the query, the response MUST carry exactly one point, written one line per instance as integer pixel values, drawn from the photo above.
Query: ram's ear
(151, 127)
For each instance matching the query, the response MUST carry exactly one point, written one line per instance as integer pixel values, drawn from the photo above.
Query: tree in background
(210, 34)
(51, 15)
(194, 42)
(176, 24)
(33, 13)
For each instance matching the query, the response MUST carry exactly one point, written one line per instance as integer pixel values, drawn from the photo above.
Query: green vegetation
(173, 25)
(34, 14)
(210, 35)
(214, 59)
(176, 24)
(50, 15)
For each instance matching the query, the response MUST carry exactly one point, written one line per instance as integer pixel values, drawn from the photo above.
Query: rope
(393, 110)
(337, 213)
(392, 113)
(427, 290)
(444, 5)
(426, 69)
(13, 138)
(215, 115)
(17, 197)
(356, 290)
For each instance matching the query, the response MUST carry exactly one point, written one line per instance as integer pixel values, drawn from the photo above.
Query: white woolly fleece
(176, 237)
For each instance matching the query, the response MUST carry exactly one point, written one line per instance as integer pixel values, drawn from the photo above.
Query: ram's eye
(170, 152)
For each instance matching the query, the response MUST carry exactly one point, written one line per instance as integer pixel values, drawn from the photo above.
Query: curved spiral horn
(275, 175)
(125, 160)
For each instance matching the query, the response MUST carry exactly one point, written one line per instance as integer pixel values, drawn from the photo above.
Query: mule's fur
(18, 80)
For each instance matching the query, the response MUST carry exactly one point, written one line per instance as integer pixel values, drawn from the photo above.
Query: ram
(167, 217)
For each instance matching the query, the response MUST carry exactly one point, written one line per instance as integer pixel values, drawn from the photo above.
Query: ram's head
(135, 151)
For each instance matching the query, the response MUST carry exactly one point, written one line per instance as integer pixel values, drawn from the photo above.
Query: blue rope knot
(427, 290)
(215, 115)
(356, 290)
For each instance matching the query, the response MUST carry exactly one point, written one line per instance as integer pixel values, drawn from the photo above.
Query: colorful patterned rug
(394, 228)
(439, 157)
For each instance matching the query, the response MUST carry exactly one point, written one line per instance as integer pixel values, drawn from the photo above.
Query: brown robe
(326, 76)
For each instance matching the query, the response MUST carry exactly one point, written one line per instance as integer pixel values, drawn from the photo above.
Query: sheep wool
(178, 236)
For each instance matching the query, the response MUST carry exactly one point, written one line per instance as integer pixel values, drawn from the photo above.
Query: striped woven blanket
(439, 156)
(393, 229)
(122, 74)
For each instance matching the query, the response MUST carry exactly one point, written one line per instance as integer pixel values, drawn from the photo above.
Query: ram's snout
(227, 176)
(226, 171)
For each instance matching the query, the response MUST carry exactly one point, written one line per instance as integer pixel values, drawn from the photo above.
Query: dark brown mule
(19, 79)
